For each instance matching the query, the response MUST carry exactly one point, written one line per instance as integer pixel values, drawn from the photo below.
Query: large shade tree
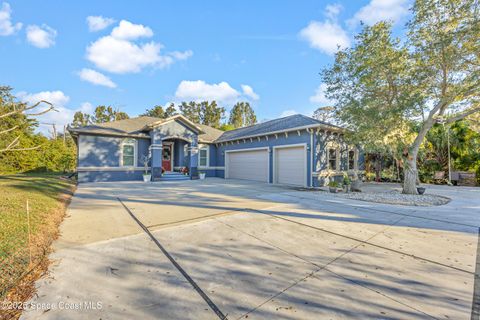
(242, 115)
(432, 77)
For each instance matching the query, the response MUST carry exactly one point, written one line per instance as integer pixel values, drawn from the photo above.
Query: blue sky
(136, 54)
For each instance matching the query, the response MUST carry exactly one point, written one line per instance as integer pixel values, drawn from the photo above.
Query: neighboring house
(295, 150)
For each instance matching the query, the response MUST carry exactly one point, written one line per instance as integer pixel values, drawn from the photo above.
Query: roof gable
(179, 118)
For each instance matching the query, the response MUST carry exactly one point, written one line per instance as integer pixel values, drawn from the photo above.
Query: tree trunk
(410, 176)
(378, 167)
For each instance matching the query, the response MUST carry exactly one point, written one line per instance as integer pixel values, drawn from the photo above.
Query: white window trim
(200, 147)
(337, 153)
(355, 159)
(135, 149)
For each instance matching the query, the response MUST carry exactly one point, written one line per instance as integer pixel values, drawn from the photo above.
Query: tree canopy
(159, 112)
(381, 84)
(101, 114)
(242, 115)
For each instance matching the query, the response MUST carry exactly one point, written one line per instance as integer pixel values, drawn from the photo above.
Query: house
(294, 150)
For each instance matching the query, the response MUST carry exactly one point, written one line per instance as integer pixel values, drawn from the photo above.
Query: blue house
(295, 150)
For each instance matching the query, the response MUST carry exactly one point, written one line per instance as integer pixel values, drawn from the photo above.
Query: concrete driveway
(238, 249)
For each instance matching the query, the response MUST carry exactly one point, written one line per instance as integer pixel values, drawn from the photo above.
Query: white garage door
(247, 165)
(290, 166)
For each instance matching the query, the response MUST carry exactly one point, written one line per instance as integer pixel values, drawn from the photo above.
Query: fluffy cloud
(248, 91)
(41, 36)
(319, 96)
(97, 23)
(378, 10)
(6, 26)
(327, 35)
(130, 31)
(117, 53)
(200, 90)
(57, 98)
(96, 78)
(63, 114)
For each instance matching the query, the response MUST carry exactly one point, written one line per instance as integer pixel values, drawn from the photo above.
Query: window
(185, 150)
(351, 160)
(203, 156)
(128, 153)
(332, 159)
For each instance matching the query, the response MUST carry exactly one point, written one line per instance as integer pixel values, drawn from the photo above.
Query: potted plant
(347, 183)
(201, 175)
(146, 176)
(184, 171)
(333, 186)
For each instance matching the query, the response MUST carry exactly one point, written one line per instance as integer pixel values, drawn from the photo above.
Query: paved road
(257, 251)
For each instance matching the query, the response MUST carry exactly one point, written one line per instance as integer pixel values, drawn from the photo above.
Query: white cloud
(130, 31)
(86, 107)
(325, 36)
(57, 98)
(287, 113)
(248, 91)
(378, 10)
(319, 96)
(333, 10)
(96, 78)
(6, 26)
(41, 36)
(63, 114)
(117, 53)
(97, 23)
(181, 55)
(200, 90)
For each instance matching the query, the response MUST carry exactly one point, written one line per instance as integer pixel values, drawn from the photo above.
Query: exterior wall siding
(105, 175)
(322, 175)
(98, 151)
(273, 141)
(104, 152)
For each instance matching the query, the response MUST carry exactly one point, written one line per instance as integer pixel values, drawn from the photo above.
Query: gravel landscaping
(393, 197)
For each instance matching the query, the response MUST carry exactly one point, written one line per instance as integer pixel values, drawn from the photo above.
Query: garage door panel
(290, 165)
(248, 165)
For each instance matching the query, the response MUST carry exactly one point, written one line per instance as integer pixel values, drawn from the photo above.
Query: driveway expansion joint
(321, 267)
(205, 297)
(366, 241)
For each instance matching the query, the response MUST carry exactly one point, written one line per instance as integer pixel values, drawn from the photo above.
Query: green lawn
(46, 195)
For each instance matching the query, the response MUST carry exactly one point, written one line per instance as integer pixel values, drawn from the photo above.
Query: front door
(167, 157)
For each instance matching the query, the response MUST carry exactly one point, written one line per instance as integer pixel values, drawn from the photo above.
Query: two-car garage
(289, 164)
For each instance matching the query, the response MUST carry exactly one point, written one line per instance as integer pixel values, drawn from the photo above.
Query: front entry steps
(173, 176)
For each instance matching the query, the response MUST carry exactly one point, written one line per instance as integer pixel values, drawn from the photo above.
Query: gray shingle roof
(132, 126)
(136, 127)
(210, 135)
(276, 125)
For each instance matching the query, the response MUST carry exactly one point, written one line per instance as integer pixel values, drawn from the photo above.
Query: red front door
(167, 158)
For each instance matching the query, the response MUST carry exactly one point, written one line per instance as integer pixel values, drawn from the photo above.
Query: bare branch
(463, 115)
(50, 108)
(12, 144)
(8, 130)
(20, 149)
(20, 110)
